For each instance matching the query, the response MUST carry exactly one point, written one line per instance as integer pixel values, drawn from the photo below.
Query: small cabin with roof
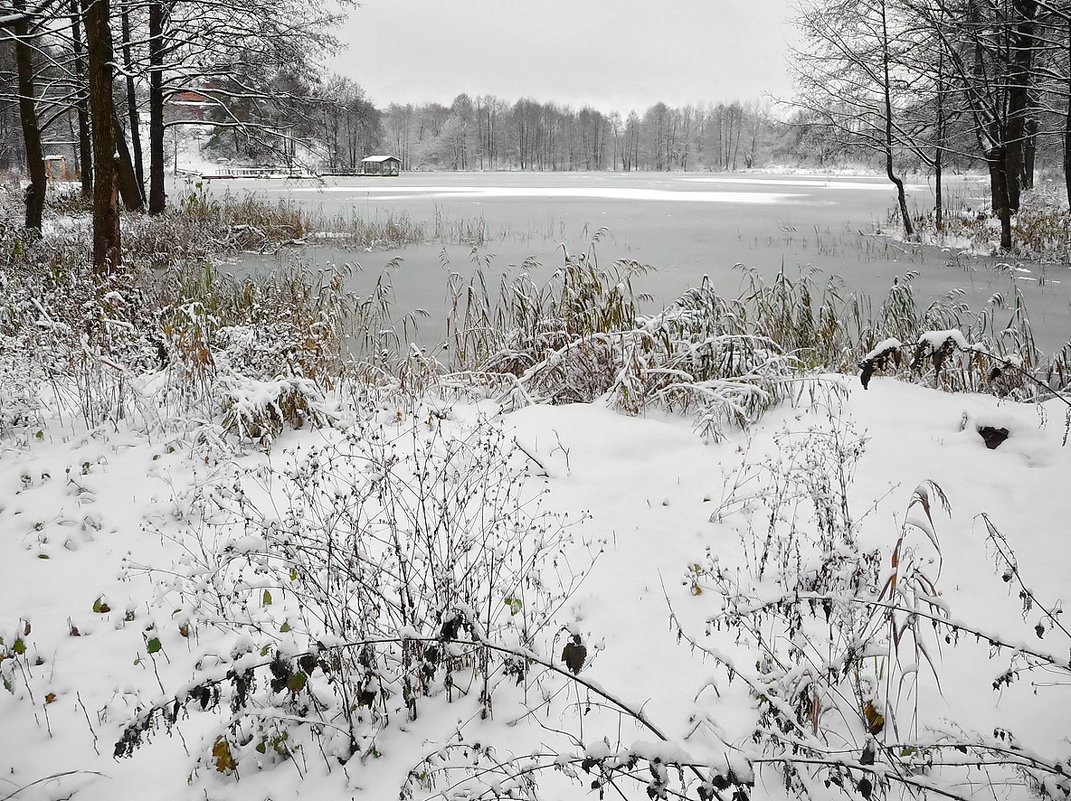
(380, 165)
(190, 103)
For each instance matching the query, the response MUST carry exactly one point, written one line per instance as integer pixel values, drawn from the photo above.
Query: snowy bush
(401, 561)
(581, 338)
(840, 643)
(260, 410)
(21, 380)
(1039, 227)
(960, 365)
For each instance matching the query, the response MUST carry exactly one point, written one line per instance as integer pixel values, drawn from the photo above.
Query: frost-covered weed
(1040, 229)
(357, 579)
(725, 359)
(158, 348)
(261, 410)
(21, 382)
(840, 643)
(100, 350)
(201, 225)
(581, 337)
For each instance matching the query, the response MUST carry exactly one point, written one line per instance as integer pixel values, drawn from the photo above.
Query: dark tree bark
(132, 103)
(31, 129)
(939, 148)
(1067, 153)
(938, 188)
(999, 184)
(901, 200)
(1067, 125)
(1020, 75)
(1030, 151)
(157, 20)
(130, 189)
(81, 104)
(107, 244)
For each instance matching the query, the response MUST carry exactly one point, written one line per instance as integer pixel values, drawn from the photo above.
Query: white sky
(611, 54)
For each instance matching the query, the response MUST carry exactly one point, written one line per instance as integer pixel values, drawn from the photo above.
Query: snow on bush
(403, 560)
(842, 643)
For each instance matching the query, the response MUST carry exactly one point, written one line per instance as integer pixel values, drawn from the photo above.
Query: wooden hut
(380, 165)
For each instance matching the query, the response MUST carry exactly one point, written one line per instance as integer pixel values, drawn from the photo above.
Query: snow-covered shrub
(260, 410)
(401, 561)
(581, 338)
(263, 351)
(957, 364)
(290, 322)
(94, 341)
(83, 338)
(839, 644)
(1039, 228)
(21, 380)
(710, 361)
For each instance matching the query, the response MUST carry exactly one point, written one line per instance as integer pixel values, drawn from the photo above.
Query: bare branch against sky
(611, 54)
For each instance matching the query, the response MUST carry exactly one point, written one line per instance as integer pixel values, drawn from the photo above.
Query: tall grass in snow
(580, 336)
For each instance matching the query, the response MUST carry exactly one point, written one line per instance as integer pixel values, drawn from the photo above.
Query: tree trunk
(81, 104)
(132, 103)
(997, 161)
(31, 129)
(107, 245)
(939, 206)
(939, 149)
(1067, 153)
(1030, 150)
(157, 195)
(887, 90)
(901, 199)
(130, 189)
(1067, 128)
(1019, 79)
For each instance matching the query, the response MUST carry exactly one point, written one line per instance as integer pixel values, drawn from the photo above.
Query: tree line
(490, 133)
(901, 84)
(108, 80)
(929, 82)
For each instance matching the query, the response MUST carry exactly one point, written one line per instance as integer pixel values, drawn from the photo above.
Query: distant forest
(491, 133)
(331, 126)
(118, 89)
(262, 99)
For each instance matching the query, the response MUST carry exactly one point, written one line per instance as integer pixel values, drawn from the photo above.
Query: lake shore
(684, 225)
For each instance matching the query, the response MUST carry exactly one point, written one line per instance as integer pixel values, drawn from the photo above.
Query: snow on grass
(79, 512)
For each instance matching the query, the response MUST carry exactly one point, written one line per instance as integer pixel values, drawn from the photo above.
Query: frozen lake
(685, 225)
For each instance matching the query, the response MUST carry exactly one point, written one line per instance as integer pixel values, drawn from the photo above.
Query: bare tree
(107, 244)
(25, 31)
(85, 144)
(850, 74)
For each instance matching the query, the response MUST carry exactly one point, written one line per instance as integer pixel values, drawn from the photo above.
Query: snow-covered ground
(98, 531)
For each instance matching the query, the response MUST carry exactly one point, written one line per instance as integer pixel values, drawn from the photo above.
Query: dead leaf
(574, 654)
(874, 721)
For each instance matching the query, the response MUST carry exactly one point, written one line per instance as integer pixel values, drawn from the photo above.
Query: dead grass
(578, 337)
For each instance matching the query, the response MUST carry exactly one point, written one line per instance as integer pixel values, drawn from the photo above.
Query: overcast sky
(611, 54)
